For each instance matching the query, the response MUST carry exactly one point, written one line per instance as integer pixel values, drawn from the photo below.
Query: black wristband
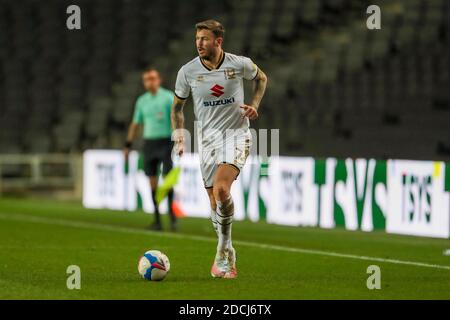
(128, 144)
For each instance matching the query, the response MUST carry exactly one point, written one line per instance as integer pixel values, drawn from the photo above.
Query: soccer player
(152, 110)
(215, 80)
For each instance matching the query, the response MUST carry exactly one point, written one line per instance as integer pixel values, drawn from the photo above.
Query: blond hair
(212, 25)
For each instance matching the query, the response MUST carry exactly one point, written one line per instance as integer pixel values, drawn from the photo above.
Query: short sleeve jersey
(153, 112)
(217, 93)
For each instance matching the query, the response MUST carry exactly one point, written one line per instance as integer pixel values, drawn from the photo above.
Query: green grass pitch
(39, 239)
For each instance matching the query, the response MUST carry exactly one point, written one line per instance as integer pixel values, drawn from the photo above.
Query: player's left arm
(259, 87)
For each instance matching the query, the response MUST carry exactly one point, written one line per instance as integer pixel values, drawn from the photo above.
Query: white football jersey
(218, 93)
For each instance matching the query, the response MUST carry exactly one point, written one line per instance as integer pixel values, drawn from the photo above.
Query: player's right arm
(182, 90)
(177, 118)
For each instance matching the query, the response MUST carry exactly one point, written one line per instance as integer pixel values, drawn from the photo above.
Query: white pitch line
(103, 227)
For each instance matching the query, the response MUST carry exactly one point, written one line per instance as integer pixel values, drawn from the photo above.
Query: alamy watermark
(73, 21)
(373, 22)
(374, 280)
(74, 278)
(232, 145)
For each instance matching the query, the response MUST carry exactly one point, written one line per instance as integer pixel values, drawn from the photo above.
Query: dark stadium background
(336, 88)
(334, 85)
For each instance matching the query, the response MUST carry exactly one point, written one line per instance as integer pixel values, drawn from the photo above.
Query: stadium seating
(336, 88)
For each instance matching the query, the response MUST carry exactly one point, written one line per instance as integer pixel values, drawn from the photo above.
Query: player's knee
(221, 191)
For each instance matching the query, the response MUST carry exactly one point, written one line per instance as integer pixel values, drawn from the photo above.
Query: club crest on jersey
(229, 74)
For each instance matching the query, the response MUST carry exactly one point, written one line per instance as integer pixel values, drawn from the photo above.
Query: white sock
(214, 221)
(224, 215)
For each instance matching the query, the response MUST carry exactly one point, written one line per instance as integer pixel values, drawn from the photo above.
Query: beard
(206, 56)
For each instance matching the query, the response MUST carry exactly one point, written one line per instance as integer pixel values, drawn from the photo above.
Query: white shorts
(233, 151)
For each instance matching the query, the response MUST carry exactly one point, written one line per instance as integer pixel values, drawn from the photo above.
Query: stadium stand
(335, 88)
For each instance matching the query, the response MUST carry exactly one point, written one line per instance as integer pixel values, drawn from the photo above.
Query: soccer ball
(154, 265)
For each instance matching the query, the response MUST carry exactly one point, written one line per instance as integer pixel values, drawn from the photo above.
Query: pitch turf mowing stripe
(104, 227)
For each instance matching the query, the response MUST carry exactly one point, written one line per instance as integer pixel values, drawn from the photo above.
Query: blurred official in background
(152, 111)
